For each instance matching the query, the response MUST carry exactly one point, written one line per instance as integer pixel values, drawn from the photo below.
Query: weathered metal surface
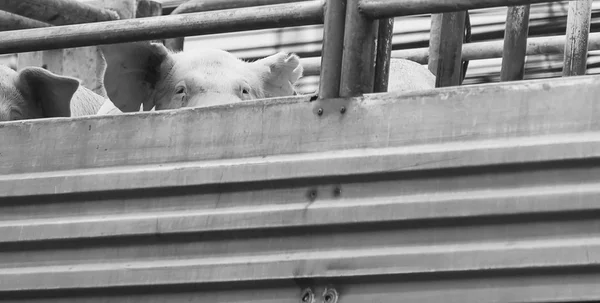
(473, 194)
(152, 139)
(386, 8)
(474, 51)
(360, 50)
(194, 6)
(449, 65)
(515, 43)
(281, 15)
(434, 43)
(384, 53)
(578, 30)
(332, 49)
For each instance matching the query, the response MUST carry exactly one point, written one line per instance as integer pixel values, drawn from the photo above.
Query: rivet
(307, 296)
(343, 110)
(337, 192)
(330, 295)
(320, 111)
(313, 194)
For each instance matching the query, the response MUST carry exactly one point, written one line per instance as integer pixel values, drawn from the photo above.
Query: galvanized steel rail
(151, 28)
(385, 9)
(194, 6)
(303, 13)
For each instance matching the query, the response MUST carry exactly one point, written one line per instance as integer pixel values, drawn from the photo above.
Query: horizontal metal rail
(154, 28)
(195, 6)
(221, 21)
(385, 8)
(58, 12)
(474, 51)
(493, 49)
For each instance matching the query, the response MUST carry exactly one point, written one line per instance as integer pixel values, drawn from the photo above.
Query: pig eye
(245, 88)
(179, 90)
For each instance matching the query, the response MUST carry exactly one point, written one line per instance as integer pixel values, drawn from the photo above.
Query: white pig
(34, 92)
(150, 75)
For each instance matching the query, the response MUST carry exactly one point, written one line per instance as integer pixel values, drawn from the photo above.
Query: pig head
(150, 75)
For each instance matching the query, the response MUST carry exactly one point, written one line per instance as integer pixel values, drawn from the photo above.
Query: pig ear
(279, 72)
(51, 92)
(132, 71)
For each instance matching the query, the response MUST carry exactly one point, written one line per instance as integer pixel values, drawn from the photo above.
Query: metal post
(384, 52)
(434, 42)
(450, 49)
(578, 30)
(515, 43)
(333, 45)
(358, 60)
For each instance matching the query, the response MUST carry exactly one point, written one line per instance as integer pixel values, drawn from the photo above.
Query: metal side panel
(489, 195)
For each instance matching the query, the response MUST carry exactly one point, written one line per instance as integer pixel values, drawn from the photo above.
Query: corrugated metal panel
(473, 194)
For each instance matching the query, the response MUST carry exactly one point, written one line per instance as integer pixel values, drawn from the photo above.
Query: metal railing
(359, 25)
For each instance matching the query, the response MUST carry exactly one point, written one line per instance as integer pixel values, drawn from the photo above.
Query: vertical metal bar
(384, 52)
(578, 30)
(333, 46)
(515, 43)
(434, 42)
(358, 60)
(450, 49)
(467, 39)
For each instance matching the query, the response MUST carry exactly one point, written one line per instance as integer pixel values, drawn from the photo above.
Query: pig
(151, 76)
(34, 92)
(406, 76)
